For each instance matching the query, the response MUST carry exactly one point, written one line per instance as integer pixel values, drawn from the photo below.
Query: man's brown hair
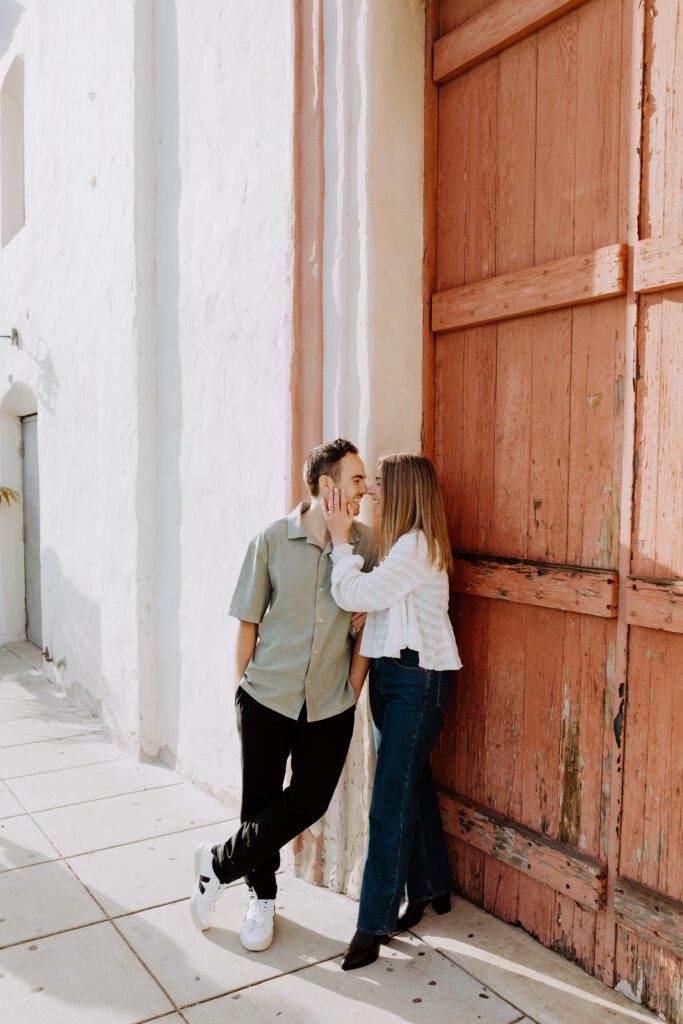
(322, 461)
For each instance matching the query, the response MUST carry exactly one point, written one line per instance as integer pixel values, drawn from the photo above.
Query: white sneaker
(207, 888)
(256, 933)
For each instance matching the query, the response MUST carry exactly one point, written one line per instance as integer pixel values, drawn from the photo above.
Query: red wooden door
(534, 157)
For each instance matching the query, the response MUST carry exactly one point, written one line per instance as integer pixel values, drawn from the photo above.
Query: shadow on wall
(160, 737)
(71, 631)
(10, 16)
(47, 385)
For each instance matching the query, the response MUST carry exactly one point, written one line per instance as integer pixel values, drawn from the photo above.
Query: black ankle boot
(364, 949)
(412, 915)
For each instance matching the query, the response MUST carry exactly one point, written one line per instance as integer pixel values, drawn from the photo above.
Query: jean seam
(403, 806)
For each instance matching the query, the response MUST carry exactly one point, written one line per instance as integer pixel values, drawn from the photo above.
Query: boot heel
(442, 904)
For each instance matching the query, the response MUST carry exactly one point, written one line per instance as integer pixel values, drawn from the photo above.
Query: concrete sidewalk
(95, 874)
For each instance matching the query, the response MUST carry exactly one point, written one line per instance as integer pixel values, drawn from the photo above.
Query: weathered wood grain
(652, 915)
(507, 625)
(560, 867)
(565, 282)
(540, 152)
(564, 587)
(655, 603)
(658, 263)
(491, 31)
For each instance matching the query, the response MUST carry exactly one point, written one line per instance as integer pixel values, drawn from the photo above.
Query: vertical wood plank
(647, 436)
(514, 251)
(629, 212)
(594, 465)
(515, 187)
(638, 719)
(479, 343)
(593, 519)
(479, 365)
(669, 544)
(503, 753)
(450, 272)
(547, 514)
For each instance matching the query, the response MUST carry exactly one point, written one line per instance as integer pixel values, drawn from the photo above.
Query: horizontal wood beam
(658, 263)
(650, 914)
(491, 31)
(568, 588)
(564, 869)
(655, 603)
(595, 275)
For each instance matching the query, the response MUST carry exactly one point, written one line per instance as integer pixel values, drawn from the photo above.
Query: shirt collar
(296, 529)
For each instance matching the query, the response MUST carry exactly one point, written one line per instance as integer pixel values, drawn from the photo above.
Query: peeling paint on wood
(654, 916)
(658, 263)
(564, 587)
(570, 812)
(563, 869)
(657, 603)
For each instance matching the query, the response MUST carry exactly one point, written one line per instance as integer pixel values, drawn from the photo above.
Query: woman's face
(375, 492)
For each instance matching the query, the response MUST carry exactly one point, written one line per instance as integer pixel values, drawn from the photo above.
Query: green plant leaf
(8, 495)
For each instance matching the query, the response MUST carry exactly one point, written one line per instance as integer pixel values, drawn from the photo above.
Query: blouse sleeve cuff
(341, 551)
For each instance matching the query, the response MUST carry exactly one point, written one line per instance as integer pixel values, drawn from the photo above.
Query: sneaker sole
(257, 947)
(196, 920)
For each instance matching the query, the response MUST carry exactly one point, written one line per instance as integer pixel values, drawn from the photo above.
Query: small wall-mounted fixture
(12, 337)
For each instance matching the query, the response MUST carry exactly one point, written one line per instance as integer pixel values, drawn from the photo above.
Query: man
(300, 676)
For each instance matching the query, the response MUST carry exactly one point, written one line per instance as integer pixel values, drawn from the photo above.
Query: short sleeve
(252, 594)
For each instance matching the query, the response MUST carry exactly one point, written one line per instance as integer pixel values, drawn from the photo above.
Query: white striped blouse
(406, 598)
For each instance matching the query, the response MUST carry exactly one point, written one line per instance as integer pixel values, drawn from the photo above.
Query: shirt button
(320, 620)
(315, 651)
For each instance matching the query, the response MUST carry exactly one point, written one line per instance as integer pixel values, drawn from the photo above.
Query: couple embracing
(321, 599)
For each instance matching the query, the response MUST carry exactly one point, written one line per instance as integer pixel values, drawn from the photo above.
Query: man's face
(350, 477)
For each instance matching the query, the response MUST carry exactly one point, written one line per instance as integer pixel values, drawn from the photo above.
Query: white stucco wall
(223, 252)
(151, 288)
(67, 284)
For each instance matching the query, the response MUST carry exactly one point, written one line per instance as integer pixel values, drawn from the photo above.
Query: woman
(409, 634)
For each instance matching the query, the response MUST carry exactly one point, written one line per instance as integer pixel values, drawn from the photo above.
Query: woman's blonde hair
(412, 500)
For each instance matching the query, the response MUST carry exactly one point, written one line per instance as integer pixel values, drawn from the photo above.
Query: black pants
(272, 816)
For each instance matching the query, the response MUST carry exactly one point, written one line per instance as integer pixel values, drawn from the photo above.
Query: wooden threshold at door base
(564, 869)
(491, 31)
(650, 914)
(567, 588)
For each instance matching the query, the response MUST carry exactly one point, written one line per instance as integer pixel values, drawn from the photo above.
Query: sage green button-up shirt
(304, 643)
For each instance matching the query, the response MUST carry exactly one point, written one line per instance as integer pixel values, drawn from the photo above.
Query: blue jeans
(406, 848)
